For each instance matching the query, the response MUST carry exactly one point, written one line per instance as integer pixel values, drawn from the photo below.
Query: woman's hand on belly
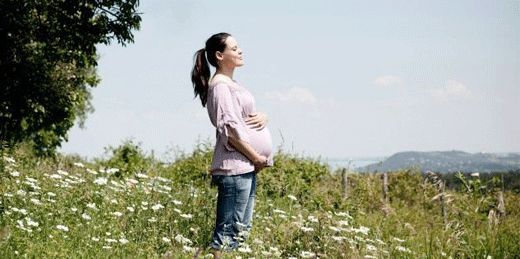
(256, 120)
(260, 163)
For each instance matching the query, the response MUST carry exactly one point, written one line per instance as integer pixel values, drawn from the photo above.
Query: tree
(48, 63)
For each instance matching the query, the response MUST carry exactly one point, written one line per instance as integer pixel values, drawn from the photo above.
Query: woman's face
(232, 55)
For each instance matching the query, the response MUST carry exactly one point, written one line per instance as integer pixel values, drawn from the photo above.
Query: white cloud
(295, 94)
(387, 80)
(453, 90)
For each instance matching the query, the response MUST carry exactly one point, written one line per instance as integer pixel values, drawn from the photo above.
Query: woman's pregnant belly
(260, 141)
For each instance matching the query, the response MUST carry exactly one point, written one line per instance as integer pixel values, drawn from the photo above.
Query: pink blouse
(229, 104)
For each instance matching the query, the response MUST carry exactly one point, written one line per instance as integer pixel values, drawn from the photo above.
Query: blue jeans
(236, 199)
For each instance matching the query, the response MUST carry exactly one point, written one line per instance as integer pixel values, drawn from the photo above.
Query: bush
(128, 158)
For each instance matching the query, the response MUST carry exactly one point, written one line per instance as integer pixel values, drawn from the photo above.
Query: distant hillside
(449, 161)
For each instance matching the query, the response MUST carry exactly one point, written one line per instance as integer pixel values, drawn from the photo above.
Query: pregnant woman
(243, 146)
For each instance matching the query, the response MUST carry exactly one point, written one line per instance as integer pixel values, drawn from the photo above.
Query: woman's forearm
(246, 150)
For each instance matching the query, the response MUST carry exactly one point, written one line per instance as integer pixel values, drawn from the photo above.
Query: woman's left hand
(257, 120)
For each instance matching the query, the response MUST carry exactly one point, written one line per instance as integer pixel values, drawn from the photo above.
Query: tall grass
(131, 205)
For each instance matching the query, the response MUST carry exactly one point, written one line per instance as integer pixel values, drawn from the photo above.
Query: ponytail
(200, 73)
(200, 76)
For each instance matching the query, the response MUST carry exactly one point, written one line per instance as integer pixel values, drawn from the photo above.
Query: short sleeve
(228, 114)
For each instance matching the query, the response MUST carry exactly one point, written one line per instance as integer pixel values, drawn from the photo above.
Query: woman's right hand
(260, 163)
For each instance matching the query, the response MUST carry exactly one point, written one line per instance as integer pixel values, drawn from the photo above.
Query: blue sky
(336, 78)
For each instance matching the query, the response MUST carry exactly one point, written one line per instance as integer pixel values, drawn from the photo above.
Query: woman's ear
(219, 56)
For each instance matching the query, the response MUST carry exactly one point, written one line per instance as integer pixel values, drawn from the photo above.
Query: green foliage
(148, 212)
(128, 158)
(48, 60)
(192, 168)
(292, 175)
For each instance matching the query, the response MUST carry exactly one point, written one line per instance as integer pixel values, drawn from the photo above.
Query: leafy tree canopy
(48, 60)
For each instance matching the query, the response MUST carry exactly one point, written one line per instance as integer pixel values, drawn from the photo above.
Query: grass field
(130, 205)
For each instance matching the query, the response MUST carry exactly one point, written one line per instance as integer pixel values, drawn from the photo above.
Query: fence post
(501, 208)
(443, 209)
(344, 181)
(385, 186)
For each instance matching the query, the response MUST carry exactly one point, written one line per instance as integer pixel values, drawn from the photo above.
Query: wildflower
(476, 174)
(85, 216)
(21, 192)
(51, 194)
(279, 211)
(112, 170)
(334, 228)
(106, 247)
(292, 197)
(55, 176)
(92, 206)
(341, 214)
(369, 257)
(61, 227)
(245, 249)
(36, 201)
(312, 219)
(157, 207)
(9, 159)
(166, 240)
(79, 164)
(403, 249)
(371, 248)
(131, 209)
(267, 229)
(140, 175)
(92, 171)
(398, 240)
(152, 219)
(123, 241)
(144, 203)
(189, 249)
(74, 209)
(20, 224)
(62, 172)
(361, 229)
(163, 179)
(337, 238)
(379, 241)
(110, 240)
(96, 239)
(306, 229)
(181, 239)
(187, 216)
(15, 174)
(31, 223)
(307, 254)
(108, 233)
(23, 211)
(101, 181)
(343, 222)
(117, 214)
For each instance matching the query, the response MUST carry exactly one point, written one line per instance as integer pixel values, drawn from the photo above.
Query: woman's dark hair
(200, 73)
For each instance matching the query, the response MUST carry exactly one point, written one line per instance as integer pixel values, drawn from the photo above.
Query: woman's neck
(226, 72)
